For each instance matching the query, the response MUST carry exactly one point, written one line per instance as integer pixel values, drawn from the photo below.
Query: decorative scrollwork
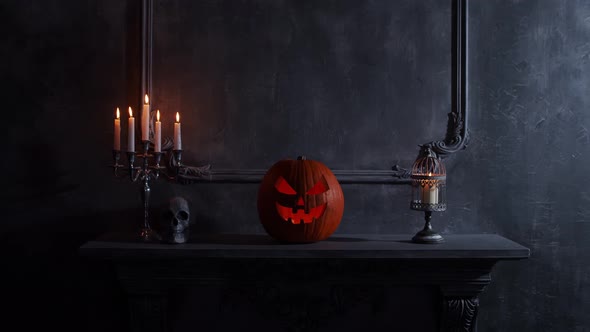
(400, 172)
(456, 139)
(459, 314)
(186, 174)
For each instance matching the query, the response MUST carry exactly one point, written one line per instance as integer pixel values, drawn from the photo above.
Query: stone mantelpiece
(458, 269)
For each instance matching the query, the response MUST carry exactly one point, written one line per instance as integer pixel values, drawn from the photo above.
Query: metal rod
(427, 218)
(427, 235)
(146, 48)
(146, 188)
(146, 202)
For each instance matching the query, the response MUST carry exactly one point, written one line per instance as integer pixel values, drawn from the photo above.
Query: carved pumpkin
(300, 201)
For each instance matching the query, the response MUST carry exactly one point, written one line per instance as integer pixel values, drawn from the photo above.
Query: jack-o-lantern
(300, 201)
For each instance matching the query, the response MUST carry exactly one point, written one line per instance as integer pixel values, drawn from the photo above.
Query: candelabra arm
(178, 159)
(131, 158)
(116, 159)
(157, 167)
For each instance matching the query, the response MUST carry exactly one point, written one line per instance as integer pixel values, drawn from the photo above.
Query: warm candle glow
(177, 137)
(117, 133)
(145, 119)
(131, 132)
(429, 173)
(158, 133)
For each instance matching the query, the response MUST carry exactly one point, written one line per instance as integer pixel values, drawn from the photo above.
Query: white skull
(176, 221)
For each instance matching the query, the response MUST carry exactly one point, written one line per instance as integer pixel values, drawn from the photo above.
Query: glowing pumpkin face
(298, 212)
(300, 201)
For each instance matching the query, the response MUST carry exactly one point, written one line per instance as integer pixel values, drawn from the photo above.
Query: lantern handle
(426, 151)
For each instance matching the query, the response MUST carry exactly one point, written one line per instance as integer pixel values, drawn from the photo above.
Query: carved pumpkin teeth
(300, 215)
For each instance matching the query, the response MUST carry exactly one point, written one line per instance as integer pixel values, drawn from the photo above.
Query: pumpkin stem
(302, 158)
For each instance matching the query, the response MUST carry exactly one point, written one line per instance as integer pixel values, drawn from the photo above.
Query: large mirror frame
(457, 133)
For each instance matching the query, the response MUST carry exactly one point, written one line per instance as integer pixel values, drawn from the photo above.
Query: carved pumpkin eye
(319, 188)
(283, 187)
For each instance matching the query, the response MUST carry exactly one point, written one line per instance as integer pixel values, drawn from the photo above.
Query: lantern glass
(428, 183)
(428, 194)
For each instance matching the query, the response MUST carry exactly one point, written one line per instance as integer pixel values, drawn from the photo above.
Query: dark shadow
(229, 239)
(345, 239)
(403, 241)
(258, 239)
(236, 239)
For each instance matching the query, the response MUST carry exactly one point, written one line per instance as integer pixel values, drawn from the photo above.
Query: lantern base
(427, 236)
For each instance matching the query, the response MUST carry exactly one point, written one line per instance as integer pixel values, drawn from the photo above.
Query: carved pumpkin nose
(300, 201)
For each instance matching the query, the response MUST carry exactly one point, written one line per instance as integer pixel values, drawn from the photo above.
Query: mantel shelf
(468, 246)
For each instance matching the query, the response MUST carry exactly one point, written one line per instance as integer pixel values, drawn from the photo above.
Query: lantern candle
(117, 136)
(177, 138)
(145, 119)
(131, 133)
(430, 192)
(158, 134)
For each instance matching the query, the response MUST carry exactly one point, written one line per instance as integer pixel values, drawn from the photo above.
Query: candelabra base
(149, 235)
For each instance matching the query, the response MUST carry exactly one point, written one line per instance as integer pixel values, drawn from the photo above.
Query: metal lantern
(428, 192)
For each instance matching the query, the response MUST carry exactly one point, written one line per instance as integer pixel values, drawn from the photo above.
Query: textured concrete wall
(525, 174)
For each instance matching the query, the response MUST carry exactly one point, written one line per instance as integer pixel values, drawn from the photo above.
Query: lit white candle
(158, 134)
(430, 193)
(145, 119)
(131, 132)
(117, 136)
(177, 138)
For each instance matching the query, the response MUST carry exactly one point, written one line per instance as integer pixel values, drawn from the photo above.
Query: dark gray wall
(355, 84)
(67, 66)
(525, 174)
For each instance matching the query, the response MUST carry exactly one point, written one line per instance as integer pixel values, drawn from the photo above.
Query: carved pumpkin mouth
(300, 215)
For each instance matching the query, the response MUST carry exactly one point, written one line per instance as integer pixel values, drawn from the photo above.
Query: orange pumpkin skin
(300, 201)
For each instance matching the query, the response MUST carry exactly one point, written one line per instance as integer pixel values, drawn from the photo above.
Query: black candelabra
(145, 173)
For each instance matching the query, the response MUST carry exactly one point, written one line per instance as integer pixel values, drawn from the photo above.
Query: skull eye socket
(182, 215)
(318, 188)
(283, 187)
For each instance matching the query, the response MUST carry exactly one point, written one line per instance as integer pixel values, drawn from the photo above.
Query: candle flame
(429, 173)
(146, 99)
(118, 113)
(130, 112)
(177, 117)
(158, 116)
